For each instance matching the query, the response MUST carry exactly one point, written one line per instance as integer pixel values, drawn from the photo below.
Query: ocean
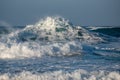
(55, 49)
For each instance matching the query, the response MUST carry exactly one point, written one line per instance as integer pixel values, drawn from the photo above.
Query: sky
(79, 12)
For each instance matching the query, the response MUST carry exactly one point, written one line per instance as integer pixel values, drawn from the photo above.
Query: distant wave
(111, 31)
(102, 27)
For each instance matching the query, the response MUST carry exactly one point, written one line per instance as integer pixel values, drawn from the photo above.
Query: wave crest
(53, 29)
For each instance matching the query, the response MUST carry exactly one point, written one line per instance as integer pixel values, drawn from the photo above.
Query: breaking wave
(52, 29)
(53, 36)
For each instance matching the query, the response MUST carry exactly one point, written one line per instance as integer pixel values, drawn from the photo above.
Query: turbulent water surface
(55, 49)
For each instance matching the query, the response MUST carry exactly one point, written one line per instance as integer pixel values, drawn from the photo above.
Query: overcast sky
(80, 12)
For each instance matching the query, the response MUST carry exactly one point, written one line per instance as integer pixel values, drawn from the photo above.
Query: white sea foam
(53, 36)
(62, 75)
(33, 49)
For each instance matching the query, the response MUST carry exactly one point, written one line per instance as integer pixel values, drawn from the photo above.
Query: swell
(114, 31)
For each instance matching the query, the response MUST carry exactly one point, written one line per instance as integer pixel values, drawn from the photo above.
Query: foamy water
(60, 75)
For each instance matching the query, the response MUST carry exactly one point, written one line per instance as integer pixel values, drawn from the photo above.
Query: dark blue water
(114, 31)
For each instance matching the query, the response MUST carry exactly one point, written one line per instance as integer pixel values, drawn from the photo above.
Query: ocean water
(55, 49)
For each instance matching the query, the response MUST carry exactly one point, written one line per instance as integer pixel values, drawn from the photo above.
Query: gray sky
(80, 12)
